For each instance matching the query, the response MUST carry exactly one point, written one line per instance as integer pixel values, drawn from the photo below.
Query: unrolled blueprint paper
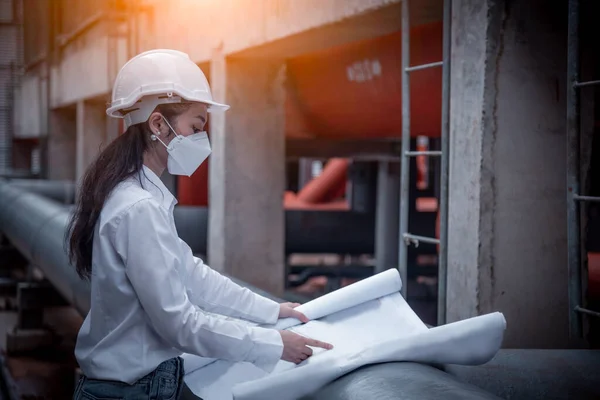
(470, 342)
(370, 329)
(376, 286)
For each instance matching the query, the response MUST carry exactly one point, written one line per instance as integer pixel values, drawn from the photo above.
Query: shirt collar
(152, 183)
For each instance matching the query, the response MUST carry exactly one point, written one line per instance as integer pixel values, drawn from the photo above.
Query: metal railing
(574, 196)
(406, 238)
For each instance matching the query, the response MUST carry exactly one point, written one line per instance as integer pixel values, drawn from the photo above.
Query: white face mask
(186, 153)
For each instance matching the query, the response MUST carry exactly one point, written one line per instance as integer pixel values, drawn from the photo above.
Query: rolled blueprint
(376, 286)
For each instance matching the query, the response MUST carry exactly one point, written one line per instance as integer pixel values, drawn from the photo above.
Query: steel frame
(406, 238)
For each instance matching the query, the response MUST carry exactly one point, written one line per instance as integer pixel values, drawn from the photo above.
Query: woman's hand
(295, 347)
(287, 310)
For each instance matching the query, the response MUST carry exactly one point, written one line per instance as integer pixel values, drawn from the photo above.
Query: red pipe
(317, 190)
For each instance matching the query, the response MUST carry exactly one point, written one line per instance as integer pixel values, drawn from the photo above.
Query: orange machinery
(353, 91)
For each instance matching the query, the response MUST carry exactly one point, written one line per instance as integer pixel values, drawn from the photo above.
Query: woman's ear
(156, 124)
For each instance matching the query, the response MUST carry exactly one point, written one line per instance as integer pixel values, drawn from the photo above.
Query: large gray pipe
(62, 191)
(35, 225)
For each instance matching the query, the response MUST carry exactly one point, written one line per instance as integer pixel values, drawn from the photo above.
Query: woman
(149, 294)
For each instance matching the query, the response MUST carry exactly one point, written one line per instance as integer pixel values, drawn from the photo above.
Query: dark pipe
(339, 232)
(399, 381)
(192, 227)
(335, 232)
(537, 374)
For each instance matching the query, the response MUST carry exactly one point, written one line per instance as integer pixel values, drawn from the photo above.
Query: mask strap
(155, 136)
(169, 125)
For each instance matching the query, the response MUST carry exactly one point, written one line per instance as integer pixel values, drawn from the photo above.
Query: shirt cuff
(267, 349)
(266, 310)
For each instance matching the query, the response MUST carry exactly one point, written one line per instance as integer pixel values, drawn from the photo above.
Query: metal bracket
(587, 312)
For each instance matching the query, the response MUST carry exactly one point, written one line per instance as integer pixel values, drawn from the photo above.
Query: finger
(307, 351)
(298, 315)
(294, 305)
(318, 343)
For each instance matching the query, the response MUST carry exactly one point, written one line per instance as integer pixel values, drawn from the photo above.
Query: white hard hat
(157, 77)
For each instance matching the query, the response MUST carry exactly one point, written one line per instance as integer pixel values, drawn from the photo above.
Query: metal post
(445, 145)
(386, 216)
(573, 233)
(405, 164)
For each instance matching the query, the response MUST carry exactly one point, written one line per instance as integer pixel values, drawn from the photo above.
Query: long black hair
(121, 159)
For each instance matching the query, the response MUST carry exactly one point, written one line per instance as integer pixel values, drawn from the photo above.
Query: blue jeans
(164, 383)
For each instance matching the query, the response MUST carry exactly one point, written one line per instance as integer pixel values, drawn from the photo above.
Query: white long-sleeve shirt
(149, 294)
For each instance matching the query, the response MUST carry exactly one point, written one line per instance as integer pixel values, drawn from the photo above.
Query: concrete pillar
(247, 174)
(507, 209)
(387, 214)
(60, 144)
(91, 134)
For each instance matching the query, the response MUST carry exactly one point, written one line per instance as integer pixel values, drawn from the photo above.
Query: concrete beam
(247, 174)
(83, 69)
(271, 29)
(507, 208)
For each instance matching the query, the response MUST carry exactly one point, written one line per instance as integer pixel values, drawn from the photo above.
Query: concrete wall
(507, 227)
(263, 21)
